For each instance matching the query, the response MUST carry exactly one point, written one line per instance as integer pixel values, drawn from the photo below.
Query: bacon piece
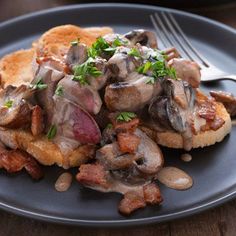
(207, 110)
(37, 125)
(93, 175)
(228, 99)
(125, 126)
(132, 201)
(217, 123)
(128, 142)
(152, 194)
(16, 160)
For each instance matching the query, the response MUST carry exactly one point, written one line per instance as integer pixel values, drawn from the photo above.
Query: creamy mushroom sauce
(186, 157)
(174, 178)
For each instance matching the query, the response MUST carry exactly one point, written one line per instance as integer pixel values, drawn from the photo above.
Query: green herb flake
(59, 90)
(109, 126)
(150, 80)
(157, 69)
(81, 72)
(98, 47)
(134, 52)
(101, 46)
(8, 103)
(39, 85)
(52, 132)
(117, 42)
(126, 116)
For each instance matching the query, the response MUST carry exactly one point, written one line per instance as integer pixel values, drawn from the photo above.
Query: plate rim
(124, 222)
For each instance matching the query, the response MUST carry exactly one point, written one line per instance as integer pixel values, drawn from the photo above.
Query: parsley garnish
(102, 46)
(39, 85)
(98, 47)
(125, 116)
(8, 103)
(81, 72)
(109, 126)
(157, 69)
(52, 132)
(59, 90)
(134, 52)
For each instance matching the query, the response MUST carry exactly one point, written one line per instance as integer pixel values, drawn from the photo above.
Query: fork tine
(169, 36)
(162, 37)
(186, 40)
(175, 35)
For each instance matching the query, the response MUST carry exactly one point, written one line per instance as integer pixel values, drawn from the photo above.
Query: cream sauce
(63, 182)
(175, 178)
(186, 157)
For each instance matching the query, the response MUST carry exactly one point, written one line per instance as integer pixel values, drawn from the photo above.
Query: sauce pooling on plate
(175, 178)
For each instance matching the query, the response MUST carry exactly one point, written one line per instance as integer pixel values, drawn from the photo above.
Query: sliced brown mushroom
(121, 64)
(144, 37)
(15, 110)
(228, 99)
(112, 158)
(50, 77)
(76, 55)
(131, 95)
(187, 70)
(152, 158)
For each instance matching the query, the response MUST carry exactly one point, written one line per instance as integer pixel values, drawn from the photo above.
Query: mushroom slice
(132, 95)
(152, 158)
(15, 111)
(228, 99)
(112, 158)
(186, 70)
(76, 55)
(144, 37)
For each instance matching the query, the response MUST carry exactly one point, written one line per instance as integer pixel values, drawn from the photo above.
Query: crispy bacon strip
(152, 194)
(207, 110)
(93, 175)
(15, 160)
(128, 142)
(131, 202)
(120, 126)
(37, 125)
(135, 200)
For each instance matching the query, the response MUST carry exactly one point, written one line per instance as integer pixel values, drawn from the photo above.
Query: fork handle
(225, 77)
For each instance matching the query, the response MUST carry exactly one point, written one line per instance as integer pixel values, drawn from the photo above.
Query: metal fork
(171, 35)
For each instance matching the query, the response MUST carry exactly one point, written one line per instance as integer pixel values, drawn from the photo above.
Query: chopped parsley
(39, 85)
(134, 52)
(59, 90)
(8, 103)
(81, 72)
(126, 116)
(156, 70)
(109, 126)
(102, 46)
(52, 132)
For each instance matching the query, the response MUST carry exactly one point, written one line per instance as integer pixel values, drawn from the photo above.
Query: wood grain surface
(216, 222)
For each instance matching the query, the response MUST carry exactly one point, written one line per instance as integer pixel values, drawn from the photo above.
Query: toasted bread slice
(99, 31)
(56, 41)
(172, 139)
(43, 150)
(16, 68)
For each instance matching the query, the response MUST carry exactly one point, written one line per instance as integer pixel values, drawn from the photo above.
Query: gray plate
(212, 168)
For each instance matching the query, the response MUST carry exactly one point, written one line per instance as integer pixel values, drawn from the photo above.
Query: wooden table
(219, 221)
